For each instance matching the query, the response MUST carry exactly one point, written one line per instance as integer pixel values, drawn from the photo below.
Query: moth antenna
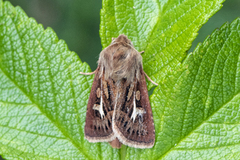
(141, 52)
(91, 73)
(150, 79)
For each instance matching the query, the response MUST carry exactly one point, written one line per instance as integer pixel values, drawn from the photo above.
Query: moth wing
(98, 126)
(132, 119)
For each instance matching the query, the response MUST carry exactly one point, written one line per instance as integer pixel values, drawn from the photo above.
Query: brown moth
(118, 109)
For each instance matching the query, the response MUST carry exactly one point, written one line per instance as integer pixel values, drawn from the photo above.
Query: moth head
(122, 38)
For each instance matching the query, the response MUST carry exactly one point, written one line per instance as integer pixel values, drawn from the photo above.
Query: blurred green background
(77, 22)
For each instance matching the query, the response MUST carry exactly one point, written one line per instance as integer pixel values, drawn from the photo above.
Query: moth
(118, 109)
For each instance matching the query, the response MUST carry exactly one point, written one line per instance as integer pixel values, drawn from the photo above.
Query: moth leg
(91, 73)
(141, 52)
(150, 79)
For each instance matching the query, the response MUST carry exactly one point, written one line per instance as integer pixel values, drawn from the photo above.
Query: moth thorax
(120, 61)
(128, 76)
(118, 75)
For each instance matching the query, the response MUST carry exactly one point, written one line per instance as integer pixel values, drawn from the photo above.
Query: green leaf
(199, 117)
(163, 29)
(43, 97)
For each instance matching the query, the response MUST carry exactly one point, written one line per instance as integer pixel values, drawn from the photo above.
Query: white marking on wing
(134, 114)
(101, 103)
(136, 111)
(101, 107)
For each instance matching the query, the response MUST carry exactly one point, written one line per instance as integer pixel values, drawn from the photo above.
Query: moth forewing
(118, 109)
(132, 120)
(98, 126)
